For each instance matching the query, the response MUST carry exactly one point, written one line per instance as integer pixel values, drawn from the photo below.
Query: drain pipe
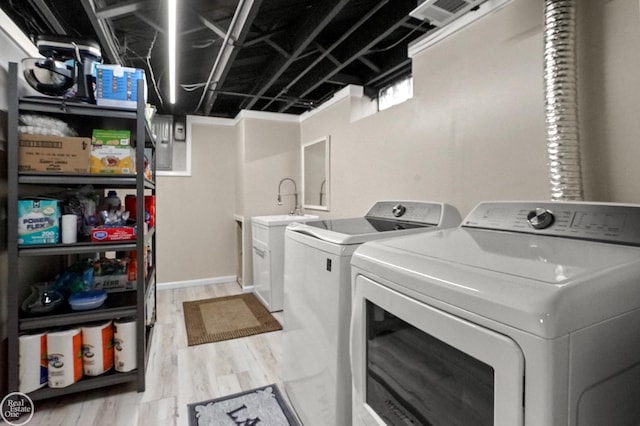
(561, 107)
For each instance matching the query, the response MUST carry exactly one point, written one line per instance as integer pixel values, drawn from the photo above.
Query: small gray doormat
(259, 407)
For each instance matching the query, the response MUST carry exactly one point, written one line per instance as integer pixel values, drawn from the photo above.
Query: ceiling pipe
(244, 15)
(119, 10)
(212, 84)
(103, 29)
(48, 16)
(561, 106)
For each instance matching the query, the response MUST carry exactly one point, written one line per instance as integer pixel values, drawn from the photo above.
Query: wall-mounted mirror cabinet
(315, 174)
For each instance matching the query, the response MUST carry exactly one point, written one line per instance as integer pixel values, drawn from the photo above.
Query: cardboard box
(117, 86)
(54, 154)
(111, 275)
(111, 152)
(38, 221)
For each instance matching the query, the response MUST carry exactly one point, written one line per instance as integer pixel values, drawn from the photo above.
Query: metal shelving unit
(118, 305)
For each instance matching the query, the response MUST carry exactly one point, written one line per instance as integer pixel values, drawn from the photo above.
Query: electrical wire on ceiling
(150, 68)
(147, 60)
(392, 45)
(204, 44)
(193, 86)
(306, 103)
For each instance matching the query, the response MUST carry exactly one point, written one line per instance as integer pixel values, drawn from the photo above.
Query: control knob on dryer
(398, 210)
(540, 218)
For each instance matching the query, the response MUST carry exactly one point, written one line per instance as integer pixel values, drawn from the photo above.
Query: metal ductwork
(561, 106)
(439, 13)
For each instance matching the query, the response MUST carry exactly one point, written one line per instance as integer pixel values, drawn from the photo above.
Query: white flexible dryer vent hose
(561, 107)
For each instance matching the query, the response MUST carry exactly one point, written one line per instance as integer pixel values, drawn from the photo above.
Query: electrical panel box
(162, 128)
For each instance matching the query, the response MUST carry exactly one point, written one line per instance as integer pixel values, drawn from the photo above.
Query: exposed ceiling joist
(391, 16)
(277, 48)
(369, 64)
(48, 16)
(116, 11)
(263, 37)
(327, 53)
(103, 31)
(343, 79)
(247, 12)
(295, 54)
(149, 22)
(316, 20)
(212, 26)
(333, 46)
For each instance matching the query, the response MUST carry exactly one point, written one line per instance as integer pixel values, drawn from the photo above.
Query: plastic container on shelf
(113, 202)
(86, 300)
(130, 205)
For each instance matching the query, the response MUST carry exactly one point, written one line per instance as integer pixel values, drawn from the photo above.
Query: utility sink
(268, 234)
(282, 219)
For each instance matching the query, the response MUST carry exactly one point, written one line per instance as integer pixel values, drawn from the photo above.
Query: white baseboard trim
(198, 282)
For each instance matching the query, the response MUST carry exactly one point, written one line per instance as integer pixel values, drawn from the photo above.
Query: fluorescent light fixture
(171, 12)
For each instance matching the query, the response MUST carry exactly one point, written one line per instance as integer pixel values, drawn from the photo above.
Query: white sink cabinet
(268, 257)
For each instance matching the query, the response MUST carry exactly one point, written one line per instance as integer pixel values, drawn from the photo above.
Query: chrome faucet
(297, 210)
(322, 193)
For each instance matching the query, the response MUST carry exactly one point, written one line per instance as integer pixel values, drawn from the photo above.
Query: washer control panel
(615, 223)
(540, 218)
(407, 211)
(398, 210)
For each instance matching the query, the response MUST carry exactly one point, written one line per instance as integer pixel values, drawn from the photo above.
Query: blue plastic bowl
(86, 300)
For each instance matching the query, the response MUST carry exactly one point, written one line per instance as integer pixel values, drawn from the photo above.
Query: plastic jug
(113, 202)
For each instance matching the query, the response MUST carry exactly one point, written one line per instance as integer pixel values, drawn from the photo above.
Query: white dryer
(526, 314)
(317, 301)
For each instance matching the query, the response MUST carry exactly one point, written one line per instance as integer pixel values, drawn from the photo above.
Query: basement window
(395, 93)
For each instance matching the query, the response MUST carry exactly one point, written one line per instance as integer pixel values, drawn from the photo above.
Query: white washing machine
(526, 314)
(317, 301)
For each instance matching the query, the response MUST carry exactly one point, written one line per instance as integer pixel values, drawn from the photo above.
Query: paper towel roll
(97, 348)
(124, 342)
(32, 362)
(65, 357)
(69, 228)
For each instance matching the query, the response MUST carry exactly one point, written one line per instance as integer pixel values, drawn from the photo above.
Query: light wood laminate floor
(177, 374)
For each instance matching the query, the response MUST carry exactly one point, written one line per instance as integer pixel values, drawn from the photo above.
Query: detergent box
(38, 221)
(117, 86)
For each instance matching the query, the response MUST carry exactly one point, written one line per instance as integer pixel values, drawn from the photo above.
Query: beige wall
(474, 131)
(196, 230)
(610, 98)
(236, 168)
(268, 151)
